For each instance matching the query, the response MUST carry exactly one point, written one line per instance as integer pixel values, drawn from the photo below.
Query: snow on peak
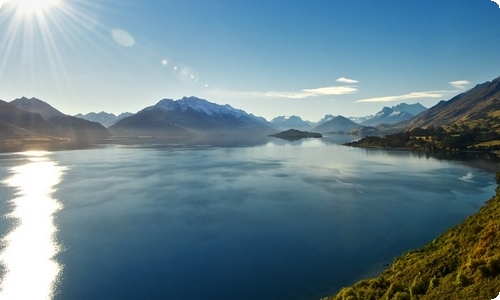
(395, 113)
(200, 105)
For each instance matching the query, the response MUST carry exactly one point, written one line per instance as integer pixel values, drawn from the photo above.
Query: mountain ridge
(191, 118)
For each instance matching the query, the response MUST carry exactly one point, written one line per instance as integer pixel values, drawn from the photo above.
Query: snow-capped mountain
(199, 105)
(189, 117)
(291, 122)
(360, 120)
(392, 115)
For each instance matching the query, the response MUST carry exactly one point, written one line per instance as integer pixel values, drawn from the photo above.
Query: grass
(463, 263)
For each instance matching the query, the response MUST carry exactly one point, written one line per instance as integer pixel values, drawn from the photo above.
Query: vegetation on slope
(449, 138)
(463, 263)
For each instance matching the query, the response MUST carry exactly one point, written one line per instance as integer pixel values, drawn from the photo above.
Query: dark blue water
(278, 221)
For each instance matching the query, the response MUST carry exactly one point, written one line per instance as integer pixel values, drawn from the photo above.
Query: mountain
(21, 130)
(325, 119)
(35, 105)
(395, 114)
(60, 124)
(291, 122)
(191, 117)
(104, 118)
(468, 122)
(78, 129)
(360, 120)
(413, 109)
(477, 107)
(16, 120)
(336, 124)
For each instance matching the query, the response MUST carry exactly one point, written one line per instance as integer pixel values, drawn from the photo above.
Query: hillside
(19, 119)
(477, 107)
(463, 263)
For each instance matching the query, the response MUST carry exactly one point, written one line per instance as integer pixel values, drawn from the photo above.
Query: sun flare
(32, 5)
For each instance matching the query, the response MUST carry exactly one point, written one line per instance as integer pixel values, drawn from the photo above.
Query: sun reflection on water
(30, 272)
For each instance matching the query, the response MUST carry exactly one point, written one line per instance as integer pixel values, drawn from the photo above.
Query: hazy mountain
(35, 105)
(395, 114)
(290, 122)
(191, 117)
(19, 122)
(477, 107)
(61, 125)
(325, 119)
(104, 118)
(336, 124)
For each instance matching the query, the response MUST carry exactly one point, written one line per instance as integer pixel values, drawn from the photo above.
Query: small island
(294, 134)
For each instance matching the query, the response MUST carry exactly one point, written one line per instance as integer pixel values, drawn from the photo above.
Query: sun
(34, 5)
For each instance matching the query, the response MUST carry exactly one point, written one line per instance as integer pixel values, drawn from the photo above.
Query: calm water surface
(278, 221)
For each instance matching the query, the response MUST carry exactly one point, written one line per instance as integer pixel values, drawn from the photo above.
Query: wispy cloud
(346, 80)
(414, 95)
(308, 93)
(459, 84)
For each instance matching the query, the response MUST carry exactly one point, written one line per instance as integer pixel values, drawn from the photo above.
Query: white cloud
(414, 95)
(302, 94)
(497, 2)
(308, 93)
(346, 80)
(459, 84)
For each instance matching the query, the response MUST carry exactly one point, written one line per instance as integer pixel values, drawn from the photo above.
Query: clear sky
(270, 58)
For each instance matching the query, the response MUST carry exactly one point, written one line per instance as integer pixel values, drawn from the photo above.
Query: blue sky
(270, 58)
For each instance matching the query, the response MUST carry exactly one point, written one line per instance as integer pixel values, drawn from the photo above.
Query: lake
(281, 220)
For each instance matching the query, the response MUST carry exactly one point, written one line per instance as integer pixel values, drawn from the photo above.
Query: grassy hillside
(463, 263)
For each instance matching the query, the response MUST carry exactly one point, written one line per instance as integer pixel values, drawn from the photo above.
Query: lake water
(283, 220)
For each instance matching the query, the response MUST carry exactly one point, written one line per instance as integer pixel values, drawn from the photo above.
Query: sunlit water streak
(30, 272)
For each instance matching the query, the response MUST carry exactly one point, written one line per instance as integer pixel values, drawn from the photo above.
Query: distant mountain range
(104, 118)
(291, 122)
(195, 119)
(396, 114)
(31, 122)
(388, 115)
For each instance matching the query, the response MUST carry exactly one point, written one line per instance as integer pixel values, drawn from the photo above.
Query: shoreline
(458, 264)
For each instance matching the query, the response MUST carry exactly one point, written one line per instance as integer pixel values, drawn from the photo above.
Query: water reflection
(30, 272)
